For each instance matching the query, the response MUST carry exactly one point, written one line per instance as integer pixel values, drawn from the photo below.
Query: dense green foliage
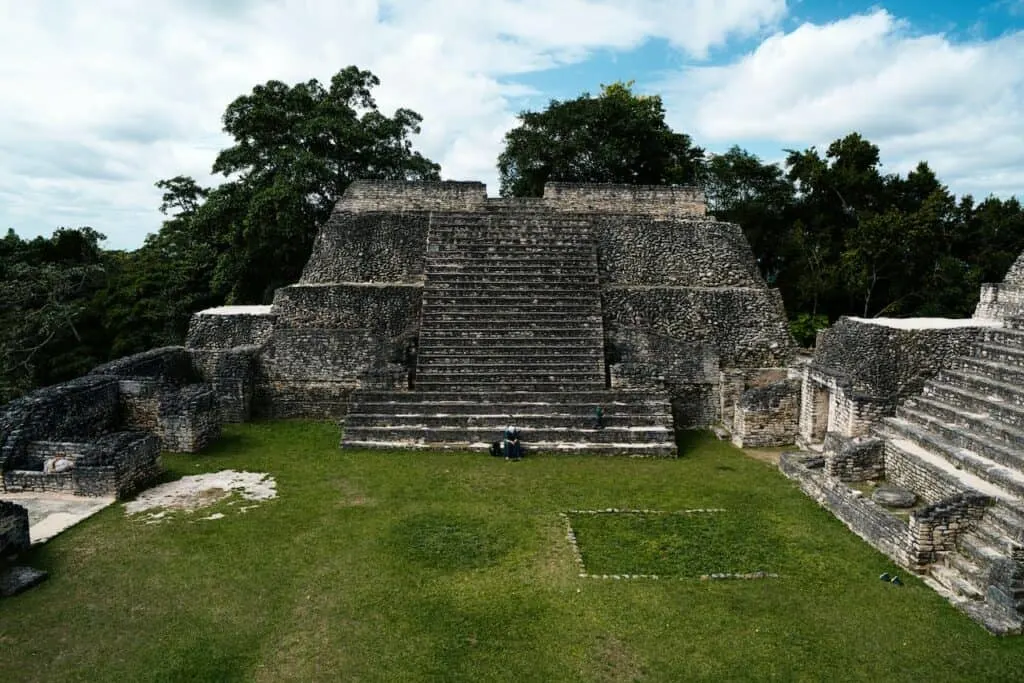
(833, 232)
(382, 566)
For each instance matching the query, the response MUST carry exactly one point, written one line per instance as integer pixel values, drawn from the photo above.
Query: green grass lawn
(402, 566)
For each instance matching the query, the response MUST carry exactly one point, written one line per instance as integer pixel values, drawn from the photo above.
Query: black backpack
(496, 449)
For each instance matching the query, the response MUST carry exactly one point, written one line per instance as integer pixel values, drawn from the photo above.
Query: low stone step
(538, 386)
(495, 406)
(991, 535)
(557, 358)
(993, 390)
(459, 249)
(504, 377)
(552, 258)
(996, 370)
(640, 450)
(979, 552)
(971, 470)
(525, 281)
(527, 371)
(486, 434)
(518, 289)
(963, 564)
(963, 436)
(976, 420)
(956, 582)
(973, 401)
(999, 353)
(476, 349)
(1008, 518)
(611, 396)
(497, 422)
(445, 298)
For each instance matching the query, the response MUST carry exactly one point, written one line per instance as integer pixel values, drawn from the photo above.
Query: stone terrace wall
(690, 253)
(639, 200)
(399, 196)
(371, 246)
(14, 535)
(229, 326)
(170, 364)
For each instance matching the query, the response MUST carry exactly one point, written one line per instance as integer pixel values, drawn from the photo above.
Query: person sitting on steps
(513, 449)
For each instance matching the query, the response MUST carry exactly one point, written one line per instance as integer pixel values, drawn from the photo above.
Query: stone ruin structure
(931, 410)
(101, 435)
(432, 316)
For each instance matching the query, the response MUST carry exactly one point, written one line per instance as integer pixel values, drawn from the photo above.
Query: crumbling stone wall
(637, 200)
(936, 528)
(853, 459)
(374, 246)
(399, 196)
(14, 536)
(1005, 299)
(160, 392)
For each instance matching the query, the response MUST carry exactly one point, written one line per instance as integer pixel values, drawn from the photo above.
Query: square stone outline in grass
(570, 535)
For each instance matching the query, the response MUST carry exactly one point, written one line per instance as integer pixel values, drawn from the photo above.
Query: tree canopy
(616, 137)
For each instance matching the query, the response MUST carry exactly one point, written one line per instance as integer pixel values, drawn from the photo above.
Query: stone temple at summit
(430, 315)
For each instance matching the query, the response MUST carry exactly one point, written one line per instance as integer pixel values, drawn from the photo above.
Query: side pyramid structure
(432, 316)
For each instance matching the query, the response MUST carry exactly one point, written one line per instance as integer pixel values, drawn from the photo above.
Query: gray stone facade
(682, 301)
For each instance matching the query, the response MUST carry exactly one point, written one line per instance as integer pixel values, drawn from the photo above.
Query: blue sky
(102, 99)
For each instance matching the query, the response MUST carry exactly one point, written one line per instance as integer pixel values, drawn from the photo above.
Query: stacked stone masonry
(623, 298)
(14, 535)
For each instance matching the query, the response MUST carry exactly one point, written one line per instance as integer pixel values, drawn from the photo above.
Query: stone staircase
(511, 332)
(967, 428)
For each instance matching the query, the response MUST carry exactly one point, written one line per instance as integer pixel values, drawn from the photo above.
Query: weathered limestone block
(936, 528)
(227, 327)
(400, 196)
(767, 416)
(189, 418)
(640, 200)
(857, 458)
(231, 373)
(369, 247)
(14, 536)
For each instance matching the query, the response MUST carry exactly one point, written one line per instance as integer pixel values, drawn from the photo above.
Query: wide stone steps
(999, 353)
(496, 422)
(539, 315)
(464, 250)
(487, 434)
(579, 413)
(556, 359)
(966, 586)
(1004, 336)
(516, 281)
(992, 390)
(969, 469)
(975, 402)
(435, 369)
(547, 333)
(533, 385)
(549, 258)
(990, 369)
(588, 309)
(651, 449)
(963, 436)
(953, 417)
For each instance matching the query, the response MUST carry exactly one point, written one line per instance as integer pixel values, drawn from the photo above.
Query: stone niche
(863, 367)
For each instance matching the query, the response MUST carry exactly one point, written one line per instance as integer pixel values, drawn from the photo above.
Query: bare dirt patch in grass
(200, 491)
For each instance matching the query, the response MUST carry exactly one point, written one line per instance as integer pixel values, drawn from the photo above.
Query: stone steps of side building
(991, 535)
(972, 401)
(666, 449)
(1003, 336)
(497, 421)
(526, 271)
(979, 552)
(965, 467)
(487, 434)
(958, 583)
(977, 418)
(535, 221)
(996, 370)
(509, 326)
(551, 233)
(967, 567)
(999, 353)
(993, 390)
(965, 434)
(520, 281)
(1008, 518)
(434, 298)
(509, 385)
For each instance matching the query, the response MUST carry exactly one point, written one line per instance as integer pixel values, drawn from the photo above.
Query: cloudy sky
(103, 98)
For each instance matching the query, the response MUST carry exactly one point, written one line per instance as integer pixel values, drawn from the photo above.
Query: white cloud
(918, 97)
(103, 98)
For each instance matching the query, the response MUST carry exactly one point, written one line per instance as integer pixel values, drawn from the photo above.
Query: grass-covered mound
(422, 566)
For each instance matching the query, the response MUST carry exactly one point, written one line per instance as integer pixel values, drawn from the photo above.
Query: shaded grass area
(677, 545)
(385, 566)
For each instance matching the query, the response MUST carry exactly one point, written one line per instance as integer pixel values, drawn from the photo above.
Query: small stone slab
(893, 497)
(14, 580)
